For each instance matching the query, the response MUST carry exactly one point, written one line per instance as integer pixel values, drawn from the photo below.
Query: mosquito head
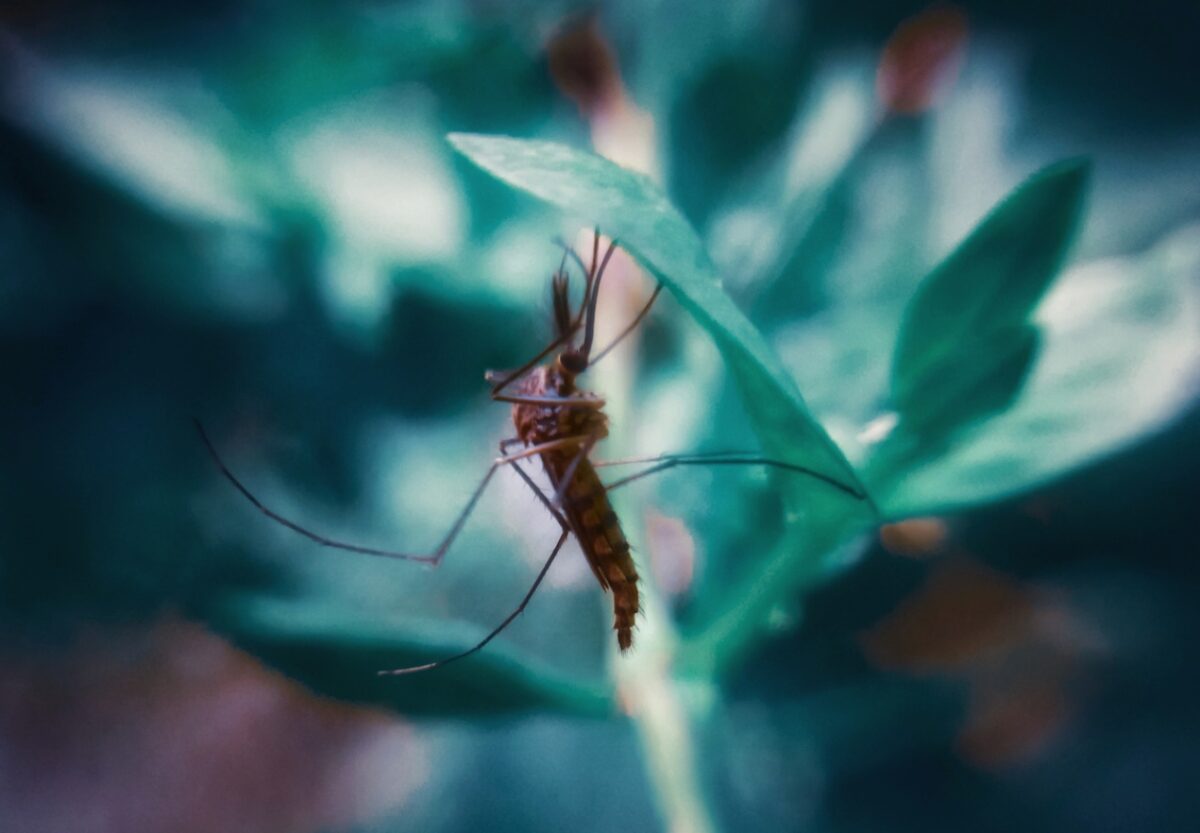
(573, 361)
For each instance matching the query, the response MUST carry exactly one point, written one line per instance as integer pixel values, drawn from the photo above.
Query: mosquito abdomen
(604, 545)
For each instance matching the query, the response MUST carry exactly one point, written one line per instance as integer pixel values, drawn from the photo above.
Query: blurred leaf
(814, 229)
(334, 651)
(963, 616)
(156, 137)
(632, 209)
(963, 342)
(966, 393)
(1120, 357)
(729, 116)
(779, 229)
(714, 31)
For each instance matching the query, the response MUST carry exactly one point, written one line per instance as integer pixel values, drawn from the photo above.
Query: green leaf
(631, 208)
(966, 392)
(335, 651)
(963, 338)
(1120, 357)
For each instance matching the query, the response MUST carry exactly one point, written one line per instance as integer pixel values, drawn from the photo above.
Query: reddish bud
(920, 59)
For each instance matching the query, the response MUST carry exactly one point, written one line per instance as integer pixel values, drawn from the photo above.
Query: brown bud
(921, 58)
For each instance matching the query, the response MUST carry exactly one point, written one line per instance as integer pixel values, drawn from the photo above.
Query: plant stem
(658, 704)
(661, 706)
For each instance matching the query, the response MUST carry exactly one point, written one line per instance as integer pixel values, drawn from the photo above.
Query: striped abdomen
(601, 539)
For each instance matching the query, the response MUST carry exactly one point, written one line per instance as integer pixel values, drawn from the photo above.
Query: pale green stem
(658, 703)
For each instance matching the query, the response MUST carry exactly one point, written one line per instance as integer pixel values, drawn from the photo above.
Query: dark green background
(124, 313)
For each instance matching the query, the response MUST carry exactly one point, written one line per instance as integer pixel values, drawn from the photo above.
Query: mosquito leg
(559, 401)
(432, 559)
(632, 325)
(429, 666)
(560, 489)
(542, 448)
(550, 507)
(670, 461)
(659, 458)
(506, 379)
(566, 528)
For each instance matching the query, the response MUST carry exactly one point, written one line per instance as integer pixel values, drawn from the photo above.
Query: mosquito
(560, 423)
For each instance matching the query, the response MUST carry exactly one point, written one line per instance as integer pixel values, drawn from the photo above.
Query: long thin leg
(632, 325)
(433, 559)
(562, 522)
(429, 666)
(560, 488)
(557, 401)
(542, 448)
(550, 506)
(669, 461)
(658, 458)
(506, 379)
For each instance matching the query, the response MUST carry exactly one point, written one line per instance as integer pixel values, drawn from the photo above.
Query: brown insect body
(585, 500)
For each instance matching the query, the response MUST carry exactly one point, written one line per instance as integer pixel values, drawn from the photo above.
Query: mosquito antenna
(632, 326)
(574, 255)
(560, 288)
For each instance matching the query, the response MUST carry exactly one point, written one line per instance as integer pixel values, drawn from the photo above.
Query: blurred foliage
(332, 650)
(965, 342)
(252, 215)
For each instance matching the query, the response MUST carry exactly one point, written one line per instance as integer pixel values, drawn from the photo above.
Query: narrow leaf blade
(1120, 357)
(986, 288)
(331, 648)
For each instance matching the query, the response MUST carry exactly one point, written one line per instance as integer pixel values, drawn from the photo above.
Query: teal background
(250, 214)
